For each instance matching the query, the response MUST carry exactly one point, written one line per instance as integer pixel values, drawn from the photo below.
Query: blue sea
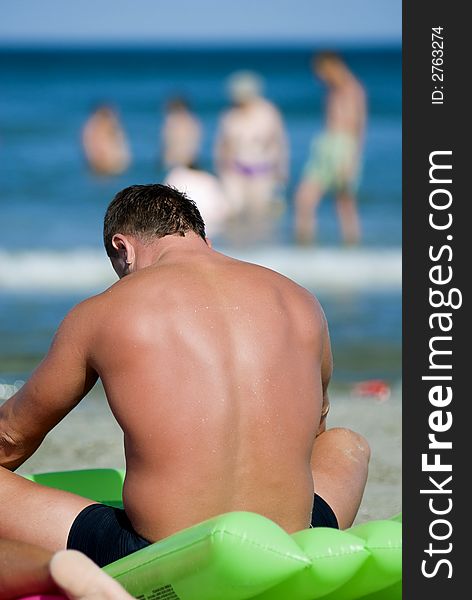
(51, 206)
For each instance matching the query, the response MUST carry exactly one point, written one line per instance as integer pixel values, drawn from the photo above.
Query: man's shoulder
(271, 108)
(79, 325)
(278, 280)
(85, 311)
(105, 312)
(356, 87)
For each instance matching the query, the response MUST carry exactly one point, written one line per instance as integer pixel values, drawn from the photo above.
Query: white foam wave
(55, 271)
(320, 269)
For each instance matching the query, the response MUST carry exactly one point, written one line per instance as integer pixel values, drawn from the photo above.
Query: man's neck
(170, 248)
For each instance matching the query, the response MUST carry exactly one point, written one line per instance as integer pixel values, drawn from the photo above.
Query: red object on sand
(373, 388)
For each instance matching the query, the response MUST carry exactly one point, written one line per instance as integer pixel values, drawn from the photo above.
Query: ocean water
(51, 206)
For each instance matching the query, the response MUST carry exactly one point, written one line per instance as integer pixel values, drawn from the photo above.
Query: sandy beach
(89, 437)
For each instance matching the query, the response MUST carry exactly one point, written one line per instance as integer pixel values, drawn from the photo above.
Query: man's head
(140, 215)
(329, 67)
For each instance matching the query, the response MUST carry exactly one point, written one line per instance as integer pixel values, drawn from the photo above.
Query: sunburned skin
(212, 367)
(217, 372)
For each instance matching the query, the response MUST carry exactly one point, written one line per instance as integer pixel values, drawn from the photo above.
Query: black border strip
(442, 128)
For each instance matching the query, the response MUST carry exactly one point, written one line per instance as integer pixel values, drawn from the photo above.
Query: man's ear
(124, 247)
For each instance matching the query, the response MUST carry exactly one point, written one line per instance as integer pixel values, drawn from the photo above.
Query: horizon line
(269, 44)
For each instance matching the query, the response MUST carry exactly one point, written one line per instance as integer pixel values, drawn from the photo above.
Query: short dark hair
(325, 56)
(152, 210)
(177, 103)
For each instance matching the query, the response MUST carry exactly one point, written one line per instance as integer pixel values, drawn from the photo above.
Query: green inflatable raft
(242, 555)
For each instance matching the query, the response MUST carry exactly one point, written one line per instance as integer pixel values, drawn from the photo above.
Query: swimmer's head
(104, 109)
(244, 86)
(177, 104)
(141, 214)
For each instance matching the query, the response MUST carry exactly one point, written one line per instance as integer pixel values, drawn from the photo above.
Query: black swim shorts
(322, 514)
(104, 534)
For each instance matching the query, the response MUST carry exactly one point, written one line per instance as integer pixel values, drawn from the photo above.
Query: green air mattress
(243, 555)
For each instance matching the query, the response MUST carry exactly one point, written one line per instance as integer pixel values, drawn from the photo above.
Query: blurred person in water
(251, 150)
(104, 142)
(181, 134)
(335, 157)
(206, 191)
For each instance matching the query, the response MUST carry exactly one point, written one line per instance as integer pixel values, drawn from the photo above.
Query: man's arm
(61, 380)
(326, 372)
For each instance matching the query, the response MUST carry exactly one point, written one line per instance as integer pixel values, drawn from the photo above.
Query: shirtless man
(251, 151)
(104, 142)
(334, 162)
(216, 370)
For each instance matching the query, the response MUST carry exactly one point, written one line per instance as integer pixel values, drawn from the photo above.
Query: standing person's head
(177, 104)
(140, 215)
(105, 111)
(244, 87)
(330, 68)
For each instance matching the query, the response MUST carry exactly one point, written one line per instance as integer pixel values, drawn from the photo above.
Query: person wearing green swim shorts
(335, 156)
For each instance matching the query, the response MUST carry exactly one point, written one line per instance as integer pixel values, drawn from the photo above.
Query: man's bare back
(217, 372)
(212, 368)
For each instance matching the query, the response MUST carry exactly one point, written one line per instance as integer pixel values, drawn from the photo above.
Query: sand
(89, 437)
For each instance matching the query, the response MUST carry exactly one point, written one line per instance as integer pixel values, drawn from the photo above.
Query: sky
(199, 21)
